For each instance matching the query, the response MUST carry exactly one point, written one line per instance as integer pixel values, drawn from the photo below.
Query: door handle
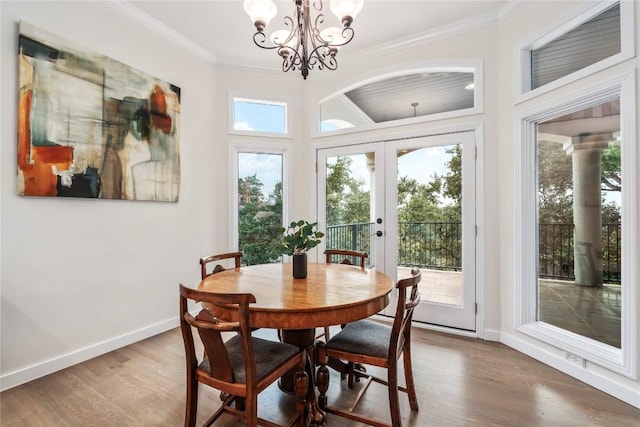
(378, 233)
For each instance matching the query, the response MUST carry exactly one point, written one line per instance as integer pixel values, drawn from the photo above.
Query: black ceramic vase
(300, 266)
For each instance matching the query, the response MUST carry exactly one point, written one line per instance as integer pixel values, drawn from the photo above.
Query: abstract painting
(93, 127)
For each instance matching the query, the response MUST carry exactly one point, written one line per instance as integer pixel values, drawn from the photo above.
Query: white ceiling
(221, 30)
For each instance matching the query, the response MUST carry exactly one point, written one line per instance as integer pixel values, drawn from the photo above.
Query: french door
(408, 203)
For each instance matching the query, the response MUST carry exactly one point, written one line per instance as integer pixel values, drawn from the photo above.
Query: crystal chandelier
(303, 45)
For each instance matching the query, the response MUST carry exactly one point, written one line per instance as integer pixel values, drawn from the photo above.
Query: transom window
(258, 116)
(595, 36)
(406, 96)
(591, 42)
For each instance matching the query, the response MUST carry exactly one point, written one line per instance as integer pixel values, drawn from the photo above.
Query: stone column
(585, 151)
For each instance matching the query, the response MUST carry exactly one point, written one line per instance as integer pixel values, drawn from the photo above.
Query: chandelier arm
(324, 57)
(291, 61)
(347, 34)
(259, 38)
(322, 53)
(292, 33)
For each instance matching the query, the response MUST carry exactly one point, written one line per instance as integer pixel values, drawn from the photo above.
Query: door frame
(431, 129)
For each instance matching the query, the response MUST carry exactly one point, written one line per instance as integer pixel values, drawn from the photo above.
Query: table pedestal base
(304, 338)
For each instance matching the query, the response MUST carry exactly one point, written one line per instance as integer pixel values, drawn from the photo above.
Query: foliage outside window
(429, 214)
(260, 208)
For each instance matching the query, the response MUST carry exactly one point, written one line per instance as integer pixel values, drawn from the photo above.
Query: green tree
(439, 200)
(611, 179)
(430, 217)
(555, 184)
(418, 202)
(347, 202)
(452, 179)
(259, 222)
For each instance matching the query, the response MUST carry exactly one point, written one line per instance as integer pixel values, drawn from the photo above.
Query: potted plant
(299, 237)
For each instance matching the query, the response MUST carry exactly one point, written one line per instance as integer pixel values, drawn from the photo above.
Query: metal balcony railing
(556, 250)
(438, 246)
(432, 245)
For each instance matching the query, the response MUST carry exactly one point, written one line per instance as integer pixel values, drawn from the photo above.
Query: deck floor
(590, 312)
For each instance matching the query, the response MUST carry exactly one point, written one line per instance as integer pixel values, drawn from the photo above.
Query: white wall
(81, 277)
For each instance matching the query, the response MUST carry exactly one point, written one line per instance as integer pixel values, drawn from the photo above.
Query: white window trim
(624, 360)
(270, 99)
(462, 66)
(259, 148)
(523, 91)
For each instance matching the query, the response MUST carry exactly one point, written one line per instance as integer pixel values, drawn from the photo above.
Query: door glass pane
(430, 220)
(349, 203)
(579, 217)
(259, 207)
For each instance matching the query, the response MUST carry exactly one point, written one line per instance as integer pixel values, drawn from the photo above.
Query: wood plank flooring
(460, 382)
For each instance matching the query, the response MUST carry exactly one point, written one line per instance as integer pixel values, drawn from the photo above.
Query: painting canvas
(93, 127)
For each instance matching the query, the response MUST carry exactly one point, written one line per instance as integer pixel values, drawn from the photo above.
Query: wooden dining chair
(347, 258)
(372, 343)
(204, 261)
(241, 367)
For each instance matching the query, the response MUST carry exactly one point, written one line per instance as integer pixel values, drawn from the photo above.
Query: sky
(266, 167)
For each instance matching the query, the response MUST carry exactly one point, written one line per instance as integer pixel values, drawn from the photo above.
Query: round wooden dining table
(331, 294)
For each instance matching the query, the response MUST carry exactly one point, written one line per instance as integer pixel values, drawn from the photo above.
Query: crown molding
(429, 36)
(167, 32)
(237, 64)
(509, 9)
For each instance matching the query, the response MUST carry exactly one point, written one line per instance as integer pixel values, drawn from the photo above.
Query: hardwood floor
(460, 382)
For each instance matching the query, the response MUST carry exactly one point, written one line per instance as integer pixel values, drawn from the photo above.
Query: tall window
(577, 236)
(260, 213)
(579, 222)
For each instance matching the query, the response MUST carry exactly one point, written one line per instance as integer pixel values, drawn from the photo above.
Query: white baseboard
(607, 385)
(30, 373)
(492, 335)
